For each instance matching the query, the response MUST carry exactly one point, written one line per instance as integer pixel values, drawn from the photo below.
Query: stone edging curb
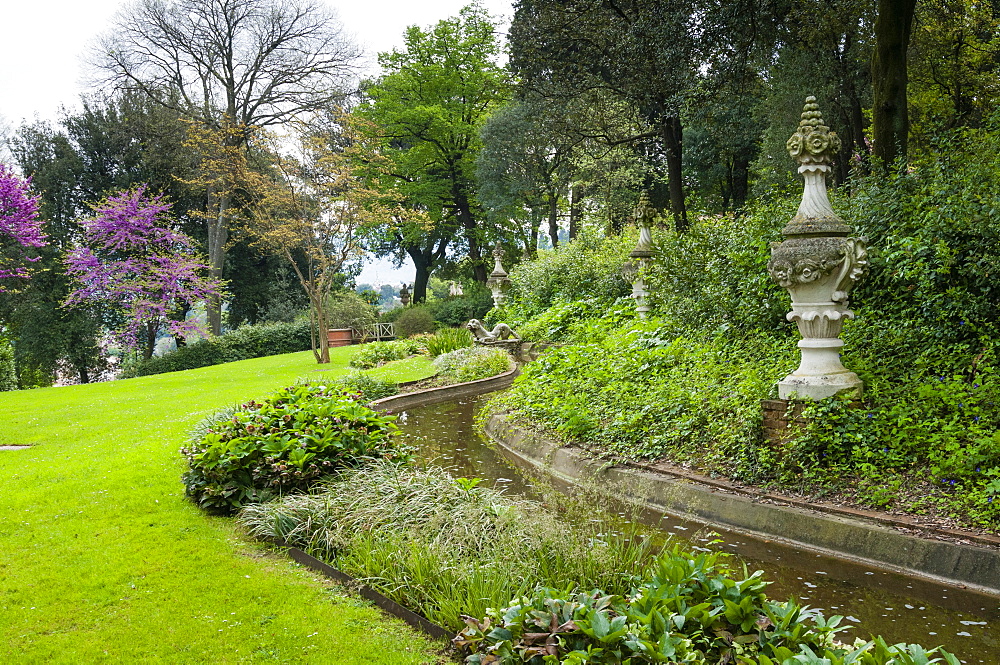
(384, 603)
(397, 403)
(849, 535)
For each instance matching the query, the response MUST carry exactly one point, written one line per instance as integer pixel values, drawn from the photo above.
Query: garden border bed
(396, 403)
(865, 537)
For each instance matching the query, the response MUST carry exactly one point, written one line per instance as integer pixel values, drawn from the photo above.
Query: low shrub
(283, 444)
(589, 267)
(367, 387)
(373, 354)
(414, 320)
(250, 341)
(472, 363)
(348, 309)
(448, 339)
(686, 608)
(457, 310)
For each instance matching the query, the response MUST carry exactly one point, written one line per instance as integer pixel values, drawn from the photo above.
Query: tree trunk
(420, 279)
(741, 179)
(323, 325)
(218, 235)
(673, 135)
(890, 120)
(179, 313)
(422, 267)
(479, 272)
(531, 248)
(554, 219)
(150, 342)
(313, 335)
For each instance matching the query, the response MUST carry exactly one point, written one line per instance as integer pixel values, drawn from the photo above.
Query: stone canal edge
(877, 540)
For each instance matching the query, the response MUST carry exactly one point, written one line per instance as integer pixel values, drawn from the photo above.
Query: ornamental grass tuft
(445, 547)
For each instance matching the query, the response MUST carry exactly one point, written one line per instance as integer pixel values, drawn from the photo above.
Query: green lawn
(104, 560)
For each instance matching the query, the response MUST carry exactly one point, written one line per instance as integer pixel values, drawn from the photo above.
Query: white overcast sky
(43, 43)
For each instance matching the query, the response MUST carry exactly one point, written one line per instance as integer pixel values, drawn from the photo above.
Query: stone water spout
(818, 264)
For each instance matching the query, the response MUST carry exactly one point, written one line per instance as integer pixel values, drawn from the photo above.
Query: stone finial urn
(499, 283)
(645, 214)
(404, 295)
(818, 264)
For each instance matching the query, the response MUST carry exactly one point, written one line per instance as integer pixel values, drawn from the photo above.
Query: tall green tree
(525, 168)
(821, 49)
(644, 53)
(953, 67)
(426, 111)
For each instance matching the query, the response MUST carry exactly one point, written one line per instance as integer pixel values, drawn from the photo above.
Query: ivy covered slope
(686, 385)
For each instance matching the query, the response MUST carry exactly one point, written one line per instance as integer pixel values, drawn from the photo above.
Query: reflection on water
(872, 602)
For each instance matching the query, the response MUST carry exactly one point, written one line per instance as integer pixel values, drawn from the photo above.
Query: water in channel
(874, 602)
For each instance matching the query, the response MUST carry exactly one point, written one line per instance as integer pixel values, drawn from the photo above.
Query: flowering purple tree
(133, 263)
(20, 227)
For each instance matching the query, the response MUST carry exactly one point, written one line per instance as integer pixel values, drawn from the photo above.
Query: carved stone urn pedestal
(499, 282)
(818, 264)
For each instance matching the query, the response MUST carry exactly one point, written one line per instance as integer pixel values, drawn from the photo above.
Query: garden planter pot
(339, 336)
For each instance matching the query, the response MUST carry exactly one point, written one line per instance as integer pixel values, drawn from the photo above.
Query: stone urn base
(821, 374)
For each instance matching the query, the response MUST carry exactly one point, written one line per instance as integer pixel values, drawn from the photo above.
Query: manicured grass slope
(104, 560)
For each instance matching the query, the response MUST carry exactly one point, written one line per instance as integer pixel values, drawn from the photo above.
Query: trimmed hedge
(255, 341)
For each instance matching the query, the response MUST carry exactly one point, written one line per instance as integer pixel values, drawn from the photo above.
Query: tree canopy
(425, 112)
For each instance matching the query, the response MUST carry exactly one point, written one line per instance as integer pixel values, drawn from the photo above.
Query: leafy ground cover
(285, 443)
(686, 385)
(106, 561)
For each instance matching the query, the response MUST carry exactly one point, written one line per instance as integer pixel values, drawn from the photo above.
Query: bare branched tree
(228, 64)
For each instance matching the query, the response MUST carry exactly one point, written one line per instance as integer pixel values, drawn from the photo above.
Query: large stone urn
(818, 263)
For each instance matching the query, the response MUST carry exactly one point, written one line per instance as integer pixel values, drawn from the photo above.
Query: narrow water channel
(874, 602)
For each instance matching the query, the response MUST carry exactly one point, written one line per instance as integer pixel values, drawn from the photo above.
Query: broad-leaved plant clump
(472, 363)
(283, 444)
(685, 608)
